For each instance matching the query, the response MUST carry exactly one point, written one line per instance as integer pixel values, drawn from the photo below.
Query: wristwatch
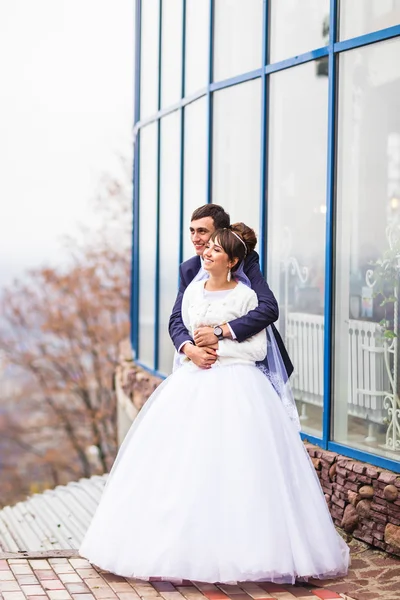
(218, 332)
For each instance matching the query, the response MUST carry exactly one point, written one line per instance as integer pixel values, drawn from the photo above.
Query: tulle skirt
(213, 484)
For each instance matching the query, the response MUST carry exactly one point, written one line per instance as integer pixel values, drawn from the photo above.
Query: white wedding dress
(212, 482)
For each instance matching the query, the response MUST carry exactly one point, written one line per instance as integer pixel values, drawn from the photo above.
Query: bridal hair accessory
(228, 277)
(239, 238)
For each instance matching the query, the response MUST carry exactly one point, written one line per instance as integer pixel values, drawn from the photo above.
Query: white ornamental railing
(368, 380)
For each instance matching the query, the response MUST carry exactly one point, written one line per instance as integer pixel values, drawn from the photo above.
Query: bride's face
(216, 260)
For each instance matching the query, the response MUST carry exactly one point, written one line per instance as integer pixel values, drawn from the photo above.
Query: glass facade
(296, 226)
(197, 51)
(236, 151)
(194, 166)
(169, 231)
(288, 38)
(366, 16)
(147, 213)
(237, 37)
(288, 118)
(171, 52)
(149, 58)
(368, 219)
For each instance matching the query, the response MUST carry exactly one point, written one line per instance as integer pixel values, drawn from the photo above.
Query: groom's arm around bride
(205, 220)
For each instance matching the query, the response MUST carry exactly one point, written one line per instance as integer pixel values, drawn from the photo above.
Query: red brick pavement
(373, 576)
(77, 579)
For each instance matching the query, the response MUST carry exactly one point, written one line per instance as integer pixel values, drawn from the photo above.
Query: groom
(205, 220)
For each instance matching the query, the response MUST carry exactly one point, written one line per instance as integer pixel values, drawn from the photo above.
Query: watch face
(218, 330)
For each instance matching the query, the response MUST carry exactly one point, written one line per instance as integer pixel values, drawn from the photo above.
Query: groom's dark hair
(217, 213)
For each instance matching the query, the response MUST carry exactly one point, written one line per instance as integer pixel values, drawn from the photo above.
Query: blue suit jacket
(261, 317)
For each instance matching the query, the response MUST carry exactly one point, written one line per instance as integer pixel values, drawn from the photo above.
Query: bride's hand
(205, 336)
(202, 357)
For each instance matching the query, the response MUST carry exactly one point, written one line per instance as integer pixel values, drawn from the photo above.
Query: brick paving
(64, 575)
(63, 578)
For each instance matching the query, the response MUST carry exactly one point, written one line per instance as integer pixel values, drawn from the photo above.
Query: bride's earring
(228, 277)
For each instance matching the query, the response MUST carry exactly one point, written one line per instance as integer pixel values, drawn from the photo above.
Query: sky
(66, 114)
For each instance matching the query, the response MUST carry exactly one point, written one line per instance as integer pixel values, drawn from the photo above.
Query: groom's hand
(201, 357)
(205, 336)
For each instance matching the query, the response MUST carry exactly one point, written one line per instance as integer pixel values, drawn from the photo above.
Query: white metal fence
(367, 377)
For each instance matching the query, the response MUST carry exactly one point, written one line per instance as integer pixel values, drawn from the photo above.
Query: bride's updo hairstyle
(237, 240)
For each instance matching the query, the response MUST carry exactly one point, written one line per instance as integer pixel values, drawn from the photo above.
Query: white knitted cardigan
(198, 310)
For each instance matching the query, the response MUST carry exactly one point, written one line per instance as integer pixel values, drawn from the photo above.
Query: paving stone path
(75, 579)
(373, 575)
(64, 576)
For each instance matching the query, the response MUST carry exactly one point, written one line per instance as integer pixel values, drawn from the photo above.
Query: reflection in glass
(169, 232)
(298, 27)
(195, 166)
(364, 16)
(368, 207)
(147, 241)
(171, 52)
(197, 45)
(296, 226)
(237, 37)
(236, 151)
(150, 18)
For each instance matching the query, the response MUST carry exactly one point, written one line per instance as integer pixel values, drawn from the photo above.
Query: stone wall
(363, 500)
(133, 385)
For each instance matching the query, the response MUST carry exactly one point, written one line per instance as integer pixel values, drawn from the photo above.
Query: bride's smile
(215, 259)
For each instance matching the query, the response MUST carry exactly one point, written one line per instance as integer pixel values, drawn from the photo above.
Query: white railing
(368, 379)
(305, 340)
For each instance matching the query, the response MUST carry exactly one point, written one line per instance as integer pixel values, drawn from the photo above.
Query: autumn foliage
(61, 332)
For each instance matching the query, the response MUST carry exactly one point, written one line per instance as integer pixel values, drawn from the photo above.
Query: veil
(276, 371)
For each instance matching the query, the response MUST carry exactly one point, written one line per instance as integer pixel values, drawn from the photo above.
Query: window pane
(364, 16)
(195, 166)
(171, 52)
(236, 151)
(368, 209)
(147, 241)
(150, 18)
(197, 45)
(296, 227)
(237, 37)
(298, 27)
(169, 232)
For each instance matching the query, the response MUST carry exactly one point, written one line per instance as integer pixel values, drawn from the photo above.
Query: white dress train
(212, 482)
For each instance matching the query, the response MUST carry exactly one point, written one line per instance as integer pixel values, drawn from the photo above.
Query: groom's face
(200, 232)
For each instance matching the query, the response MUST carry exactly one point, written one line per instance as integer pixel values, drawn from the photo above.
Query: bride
(212, 482)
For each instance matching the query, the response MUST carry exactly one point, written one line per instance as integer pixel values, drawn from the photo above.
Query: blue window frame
(330, 54)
